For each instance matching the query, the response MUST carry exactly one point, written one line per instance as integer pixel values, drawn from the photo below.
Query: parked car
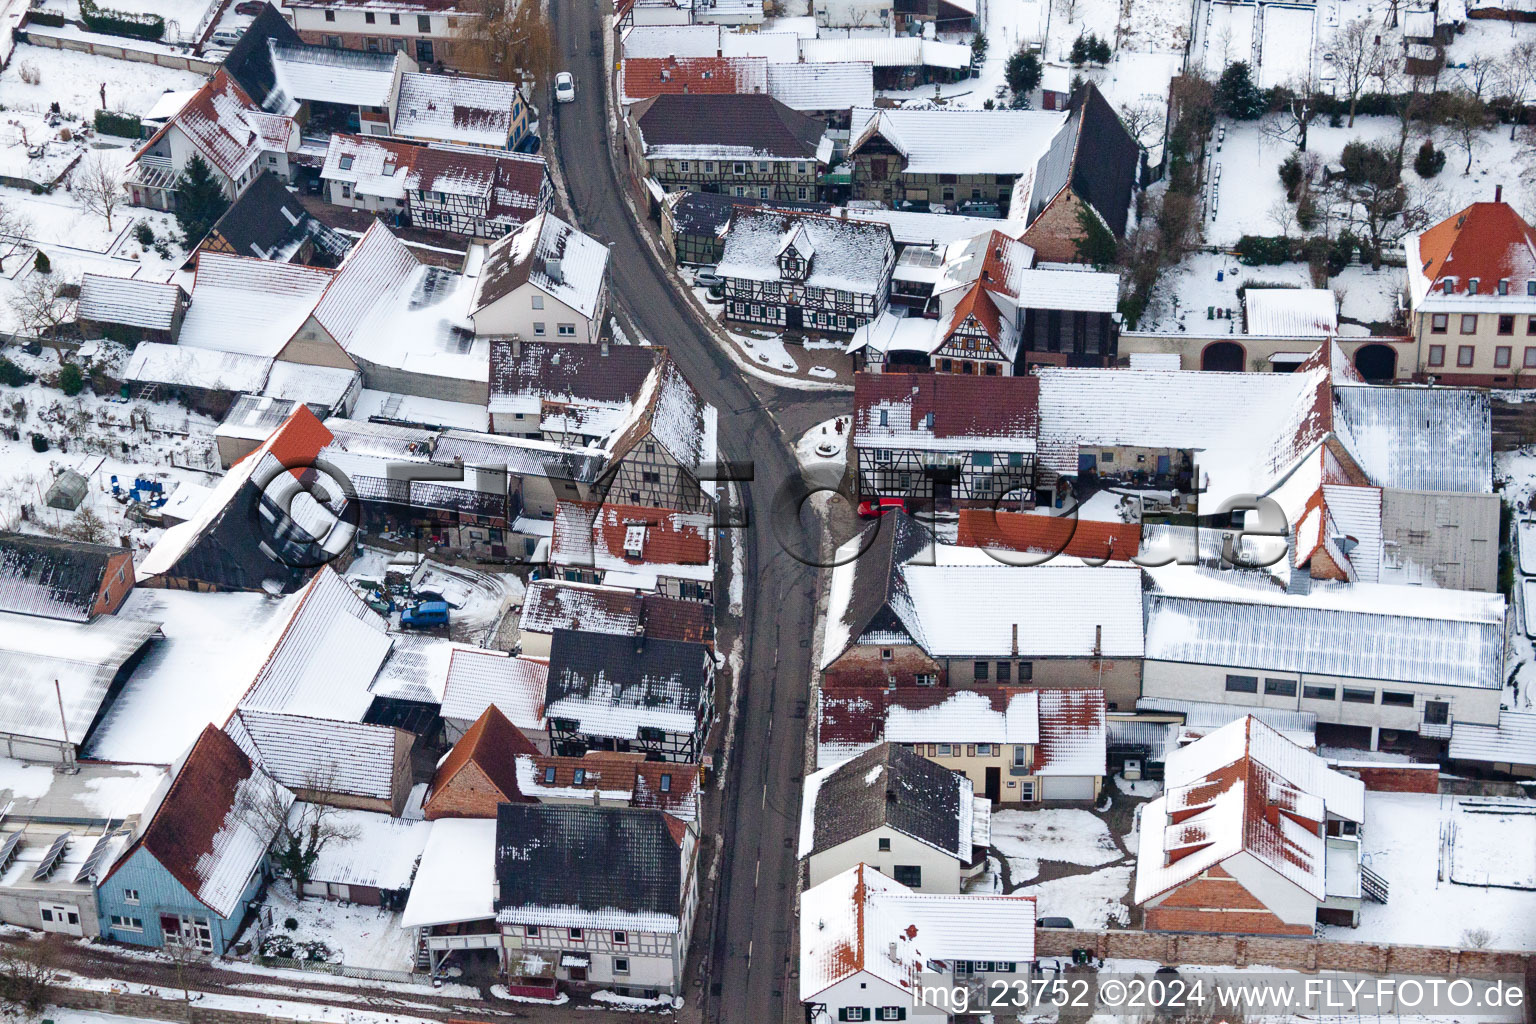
(980, 209)
(707, 278)
(565, 87)
(425, 615)
(1053, 922)
(252, 7)
(880, 506)
(225, 37)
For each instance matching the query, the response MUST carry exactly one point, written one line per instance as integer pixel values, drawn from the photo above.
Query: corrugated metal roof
(46, 662)
(1512, 741)
(1291, 312)
(125, 300)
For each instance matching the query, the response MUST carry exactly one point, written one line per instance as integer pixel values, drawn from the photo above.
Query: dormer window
(1530, 287)
(1472, 286)
(1450, 286)
(885, 417)
(928, 421)
(346, 163)
(1503, 286)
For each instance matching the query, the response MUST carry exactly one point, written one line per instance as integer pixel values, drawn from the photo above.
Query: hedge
(53, 19)
(111, 122)
(1267, 250)
(121, 23)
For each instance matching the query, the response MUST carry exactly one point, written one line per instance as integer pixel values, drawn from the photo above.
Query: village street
(746, 936)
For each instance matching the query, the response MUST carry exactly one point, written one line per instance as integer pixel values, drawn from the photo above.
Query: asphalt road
(747, 968)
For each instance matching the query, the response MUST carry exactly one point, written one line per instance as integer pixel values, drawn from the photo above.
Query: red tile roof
(671, 537)
(978, 303)
(1487, 241)
(1068, 535)
(962, 406)
(492, 744)
(652, 76)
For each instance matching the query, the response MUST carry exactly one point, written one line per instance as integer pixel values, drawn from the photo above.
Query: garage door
(1066, 787)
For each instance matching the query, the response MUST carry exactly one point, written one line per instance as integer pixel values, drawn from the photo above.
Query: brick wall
(1292, 953)
(1395, 778)
(469, 794)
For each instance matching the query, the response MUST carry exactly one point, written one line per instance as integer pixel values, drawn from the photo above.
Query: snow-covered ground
(181, 16)
(75, 80)
(1098, 899)
(357, 936)
(1065, 834)
(1204, 282)
(824, 444)
(1405, 842)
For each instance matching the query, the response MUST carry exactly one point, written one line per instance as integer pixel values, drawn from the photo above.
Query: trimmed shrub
(112, 122)
(13, 375)
(144, 234)
(41, 263)
(52, 19)
(39, 443)
(1429, 161)
(1266, 250)
(71, 380)
(121, 23)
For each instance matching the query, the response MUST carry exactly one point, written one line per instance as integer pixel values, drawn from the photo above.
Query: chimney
(1098, 641)
(1498, 193)
(1015, 639)
(1300, 579)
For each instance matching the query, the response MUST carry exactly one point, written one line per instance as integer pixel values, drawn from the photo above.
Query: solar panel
(99, 852)
(51, 858)
(8, 851)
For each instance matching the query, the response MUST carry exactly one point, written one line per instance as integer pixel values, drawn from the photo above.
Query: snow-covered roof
(153, 362)
(316, 385)
(843, 255)
(454, 108)
(477, 679)
(1488, 242)
(1367, 631)
(325, 658)
(456, 880)
(1086, 291)
(862, 921)
(1512, 741)
(945, 412)
(1418, 439)
(641, 77)
(381, 854)
(828, 85)
(126, 300)
(909, 227)
(331, 75)
(552, 256)
(947, 141)
(1291, 312)
(1243, 788)
(669, 409)
(204, 832)
(633, 539)
(373, 167)
(378, 266)
(226, 126)
(887, 52)
(611, 686)
(672, 41)
(49, 662)
(249, 306)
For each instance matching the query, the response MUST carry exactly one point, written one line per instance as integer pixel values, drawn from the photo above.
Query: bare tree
(300, 830)
(97, 185)
(515, 38)
(1359, 56)
(39, 306)
(1411, 98)
(1284, 216)
(1067, 9)
(15, 229)
(1480, 70)
(28, 969)
(1463, 117)
(1144, 121)
(1517, 77)
(1297, 109)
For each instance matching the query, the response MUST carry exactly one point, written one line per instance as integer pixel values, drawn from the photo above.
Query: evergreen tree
(1022, 73)
(200, 200)
(1236, 95)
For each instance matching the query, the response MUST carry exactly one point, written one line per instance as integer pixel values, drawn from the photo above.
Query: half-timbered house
(629, 693)
(805, 272)
(651, 550)
(739, 145)
(945, 439)
(663, 454)
(595, 896)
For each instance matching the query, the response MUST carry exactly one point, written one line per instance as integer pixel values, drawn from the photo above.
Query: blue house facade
(142, 903)
(192, 874)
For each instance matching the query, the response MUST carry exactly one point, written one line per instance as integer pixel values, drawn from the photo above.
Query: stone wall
(1293, 954)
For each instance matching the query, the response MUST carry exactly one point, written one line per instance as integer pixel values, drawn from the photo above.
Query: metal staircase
(1373, 885)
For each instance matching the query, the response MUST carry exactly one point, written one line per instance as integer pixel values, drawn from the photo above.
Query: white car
(565, 87)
